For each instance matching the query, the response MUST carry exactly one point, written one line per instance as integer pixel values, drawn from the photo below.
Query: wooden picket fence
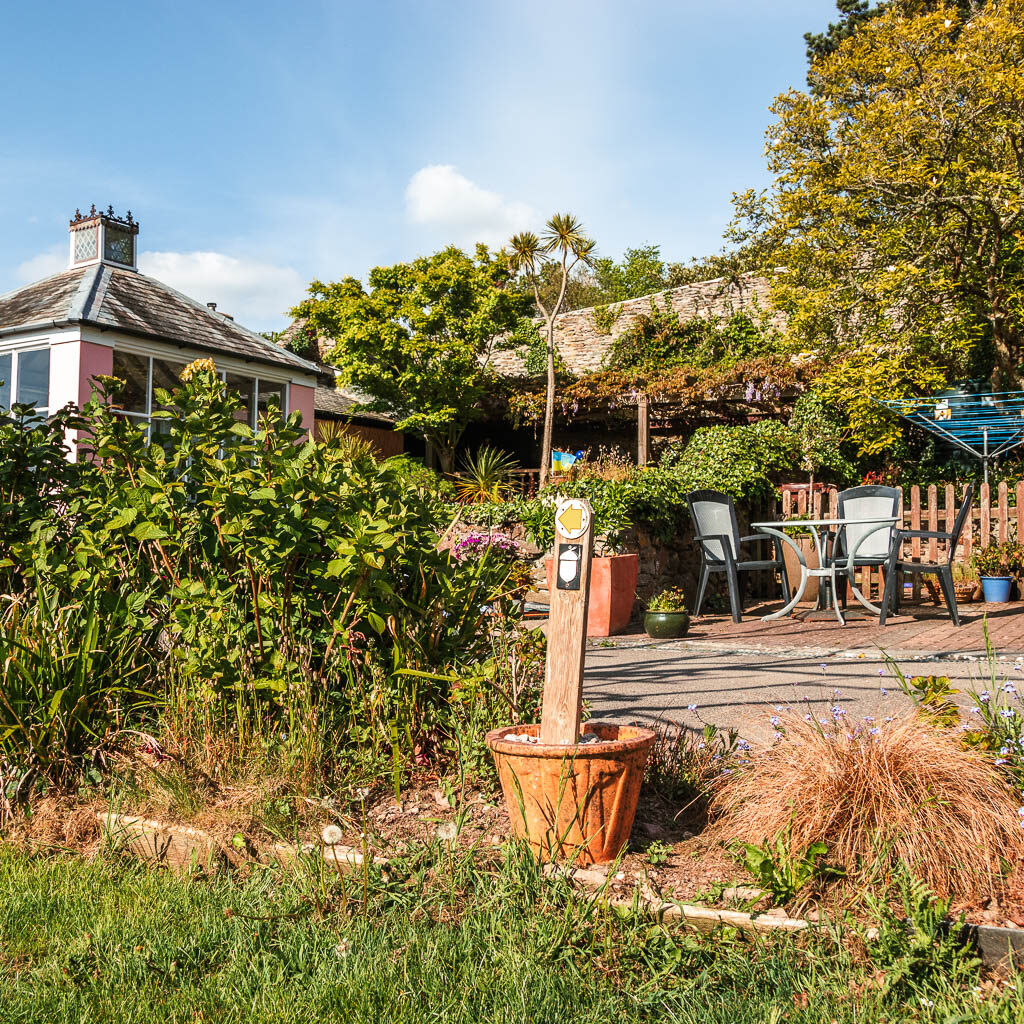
(990, 521)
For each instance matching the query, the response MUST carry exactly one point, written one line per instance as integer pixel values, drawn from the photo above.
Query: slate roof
(125, 300)
(332, 402)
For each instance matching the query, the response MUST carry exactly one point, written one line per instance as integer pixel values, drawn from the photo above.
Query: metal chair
(871, 545)
(718, 534)
(944, 570)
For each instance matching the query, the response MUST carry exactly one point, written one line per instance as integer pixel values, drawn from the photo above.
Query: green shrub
(34, 472)
(298, 586)
(71, 676)
(742, 461)
(998, 559)
(671, 600)
(425, 481)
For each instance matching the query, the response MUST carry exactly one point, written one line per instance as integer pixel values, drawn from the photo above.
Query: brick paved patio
(923, 628)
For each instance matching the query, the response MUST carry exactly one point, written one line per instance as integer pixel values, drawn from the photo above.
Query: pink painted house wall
(93, 360)
(301, 398)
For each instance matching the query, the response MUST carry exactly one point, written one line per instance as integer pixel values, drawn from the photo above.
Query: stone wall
(583, 347)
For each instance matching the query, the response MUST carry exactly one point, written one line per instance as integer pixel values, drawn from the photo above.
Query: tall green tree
(897, 208)
(565, 245)
(417, 341)
(641, 271)
(853, 14)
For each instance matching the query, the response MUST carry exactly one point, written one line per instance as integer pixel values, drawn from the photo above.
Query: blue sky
(261, 145)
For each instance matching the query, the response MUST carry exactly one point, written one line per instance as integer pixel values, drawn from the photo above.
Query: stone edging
(1000, 949)
(181, 847)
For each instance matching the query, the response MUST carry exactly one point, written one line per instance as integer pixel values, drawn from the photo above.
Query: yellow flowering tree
(893, 227)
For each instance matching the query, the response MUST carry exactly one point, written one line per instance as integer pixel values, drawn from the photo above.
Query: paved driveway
(738, 687)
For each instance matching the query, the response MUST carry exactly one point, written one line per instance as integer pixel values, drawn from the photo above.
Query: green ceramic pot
(666, 625)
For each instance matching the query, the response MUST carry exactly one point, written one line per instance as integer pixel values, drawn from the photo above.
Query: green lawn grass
(436, 941)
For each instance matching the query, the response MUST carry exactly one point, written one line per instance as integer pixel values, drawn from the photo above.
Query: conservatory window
(26, 379)
(165, 375)
(245, 388)
(145, 375)
(269, 394)
(142, 376)
(6, 362)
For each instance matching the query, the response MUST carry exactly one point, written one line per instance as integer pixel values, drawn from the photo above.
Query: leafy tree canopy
(854, 13)
(897, 204)
(640, 272)
(416, 343)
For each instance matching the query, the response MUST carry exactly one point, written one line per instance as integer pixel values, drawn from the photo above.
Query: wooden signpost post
(570, 796)
(567, 622)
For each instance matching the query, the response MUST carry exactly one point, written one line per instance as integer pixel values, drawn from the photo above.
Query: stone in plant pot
(666, 625)
(996, 588)
(612, 589)
(573, 801)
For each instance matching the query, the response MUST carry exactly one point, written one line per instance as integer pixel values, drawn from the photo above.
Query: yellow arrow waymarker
(571, 519)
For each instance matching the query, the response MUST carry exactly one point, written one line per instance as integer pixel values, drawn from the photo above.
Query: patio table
(778, 528)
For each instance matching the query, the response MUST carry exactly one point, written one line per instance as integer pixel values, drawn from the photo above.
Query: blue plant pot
(996, 588)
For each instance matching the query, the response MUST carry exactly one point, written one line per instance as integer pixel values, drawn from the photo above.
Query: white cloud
(438, 196)
(53, 261)
(256, 294)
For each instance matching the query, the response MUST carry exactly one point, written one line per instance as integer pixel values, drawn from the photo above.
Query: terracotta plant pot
(612, 590)
(666, 625)
(573, 801)
(806, 546)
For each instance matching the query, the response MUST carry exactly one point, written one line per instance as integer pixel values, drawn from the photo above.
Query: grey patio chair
(871, 545)
(944, 570)
(718, 534)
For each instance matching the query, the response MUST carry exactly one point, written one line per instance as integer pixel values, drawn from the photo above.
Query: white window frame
(15, 354)
(145, 419)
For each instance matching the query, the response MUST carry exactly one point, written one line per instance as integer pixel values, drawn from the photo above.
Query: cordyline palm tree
(563, 241)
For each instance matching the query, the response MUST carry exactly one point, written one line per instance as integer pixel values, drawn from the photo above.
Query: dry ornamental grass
(902, 791)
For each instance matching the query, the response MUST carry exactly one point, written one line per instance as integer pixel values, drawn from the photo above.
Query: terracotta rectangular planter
(806, 546)
(612, 591)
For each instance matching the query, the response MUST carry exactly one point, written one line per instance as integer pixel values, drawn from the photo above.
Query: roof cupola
(98, 237)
